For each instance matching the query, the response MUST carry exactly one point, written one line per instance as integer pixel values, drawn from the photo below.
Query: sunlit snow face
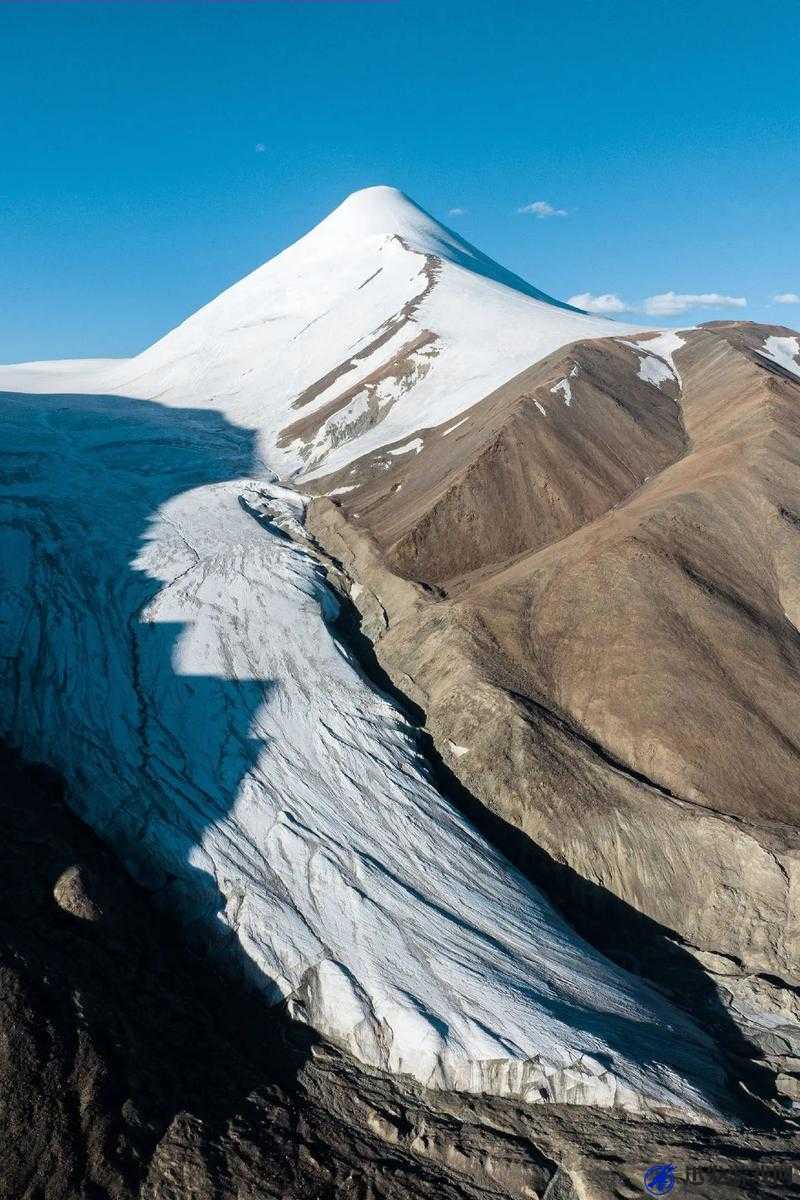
(377, 325)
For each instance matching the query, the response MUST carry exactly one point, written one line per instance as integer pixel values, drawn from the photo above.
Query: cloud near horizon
(542, 210)
(607, 303)
(456, 212)
(668, 304)
(665, 304)
(786, 298)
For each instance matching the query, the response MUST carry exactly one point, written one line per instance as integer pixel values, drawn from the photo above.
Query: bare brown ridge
(596, 604)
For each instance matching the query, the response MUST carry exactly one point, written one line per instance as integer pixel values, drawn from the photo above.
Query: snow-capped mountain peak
(376, 325)
(384, 212)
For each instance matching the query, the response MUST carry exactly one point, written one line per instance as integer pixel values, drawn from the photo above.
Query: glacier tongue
(175, 659)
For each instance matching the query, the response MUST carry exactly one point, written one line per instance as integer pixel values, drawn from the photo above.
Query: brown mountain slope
(549, 451)
(610, 662)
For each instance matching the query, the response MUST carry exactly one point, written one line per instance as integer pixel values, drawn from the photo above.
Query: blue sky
(153, 153)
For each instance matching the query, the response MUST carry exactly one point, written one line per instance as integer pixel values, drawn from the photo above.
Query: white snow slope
(328, 302)
(173, 656)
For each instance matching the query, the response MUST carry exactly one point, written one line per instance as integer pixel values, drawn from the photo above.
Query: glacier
(176, 656)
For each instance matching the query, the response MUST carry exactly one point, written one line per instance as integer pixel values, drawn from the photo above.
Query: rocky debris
(72, 892)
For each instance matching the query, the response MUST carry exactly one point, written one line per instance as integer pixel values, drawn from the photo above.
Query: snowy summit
(376, 323)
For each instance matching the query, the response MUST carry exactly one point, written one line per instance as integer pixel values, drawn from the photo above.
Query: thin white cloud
(260, 148)
(666, 304)
(669, 304)
(786, 298)
(607, 303)
(456, 212)
(542, 210)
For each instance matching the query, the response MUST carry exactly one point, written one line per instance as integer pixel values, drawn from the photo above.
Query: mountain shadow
(87, 684)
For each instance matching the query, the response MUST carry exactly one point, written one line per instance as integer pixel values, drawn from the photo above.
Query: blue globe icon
(659, 1180)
